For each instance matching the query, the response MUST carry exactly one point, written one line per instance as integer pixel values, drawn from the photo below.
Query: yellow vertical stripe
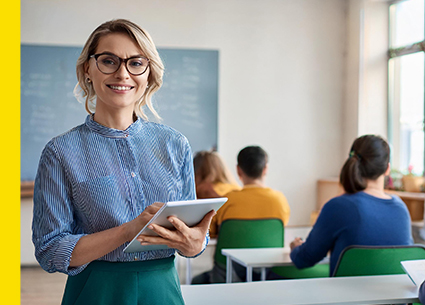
(10, 173)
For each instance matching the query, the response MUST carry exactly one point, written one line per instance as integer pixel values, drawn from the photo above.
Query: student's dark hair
(252, 160)
(368, 159)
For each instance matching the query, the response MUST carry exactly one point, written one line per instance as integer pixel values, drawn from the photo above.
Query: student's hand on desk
(296, 242)
(187, 240)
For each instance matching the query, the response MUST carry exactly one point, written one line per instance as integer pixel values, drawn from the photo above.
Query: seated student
(210, 169)
(364, 215)
(254, 201)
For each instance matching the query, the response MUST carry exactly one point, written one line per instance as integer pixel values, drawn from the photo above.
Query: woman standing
(98, 184)
(364, 215)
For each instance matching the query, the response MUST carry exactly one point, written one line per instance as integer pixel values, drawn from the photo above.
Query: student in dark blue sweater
(422, 293)
(364, 215)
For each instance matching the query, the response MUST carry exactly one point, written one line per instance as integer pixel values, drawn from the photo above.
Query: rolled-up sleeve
(53, 219)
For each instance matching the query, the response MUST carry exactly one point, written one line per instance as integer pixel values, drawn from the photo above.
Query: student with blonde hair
(211, 171)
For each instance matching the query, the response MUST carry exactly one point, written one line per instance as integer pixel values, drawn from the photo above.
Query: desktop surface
(387, 289)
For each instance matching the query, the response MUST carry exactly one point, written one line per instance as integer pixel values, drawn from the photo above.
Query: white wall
(374, 103)
(365, 106)
(282, 73)
(350, 113)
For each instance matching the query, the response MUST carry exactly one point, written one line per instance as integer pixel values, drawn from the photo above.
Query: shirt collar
(250, 186)
(111, 132)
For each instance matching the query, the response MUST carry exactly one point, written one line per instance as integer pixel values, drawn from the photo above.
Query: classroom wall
(282, 73)
(352, 92)
(365, 104)
(374, 102)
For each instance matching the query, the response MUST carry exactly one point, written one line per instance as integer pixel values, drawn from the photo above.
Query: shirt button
(126, 135)
(133, 174)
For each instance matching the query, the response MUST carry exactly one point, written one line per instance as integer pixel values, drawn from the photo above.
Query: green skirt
(129, 283)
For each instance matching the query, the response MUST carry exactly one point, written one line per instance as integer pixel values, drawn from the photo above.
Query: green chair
(376, 260)
(248, 233)
(292, 272)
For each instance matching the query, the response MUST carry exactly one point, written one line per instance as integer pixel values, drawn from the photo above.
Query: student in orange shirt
(254, 201)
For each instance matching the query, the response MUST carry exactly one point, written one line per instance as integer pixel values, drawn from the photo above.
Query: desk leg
(228, 269)
(188, 271)
(249, 274)
(263, 273)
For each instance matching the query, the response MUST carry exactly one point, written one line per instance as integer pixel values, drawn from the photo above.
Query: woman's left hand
(187, 240)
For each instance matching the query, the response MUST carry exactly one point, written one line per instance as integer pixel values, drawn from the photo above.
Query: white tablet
(190, 212)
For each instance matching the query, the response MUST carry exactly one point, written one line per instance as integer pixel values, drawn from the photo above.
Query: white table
(387, 289)
(290, 234)
(258, 258)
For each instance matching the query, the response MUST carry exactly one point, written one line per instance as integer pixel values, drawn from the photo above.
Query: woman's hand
(92, 246)
(298, 241)
(133, 227)
(188, 241)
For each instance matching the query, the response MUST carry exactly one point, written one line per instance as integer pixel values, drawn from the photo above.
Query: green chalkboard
(187, 101)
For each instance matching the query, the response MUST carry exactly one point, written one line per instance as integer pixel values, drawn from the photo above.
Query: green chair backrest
(376, 260)
(248, 233)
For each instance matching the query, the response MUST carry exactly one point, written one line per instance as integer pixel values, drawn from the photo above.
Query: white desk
(258, 258)
(387, 289)
(290, 234)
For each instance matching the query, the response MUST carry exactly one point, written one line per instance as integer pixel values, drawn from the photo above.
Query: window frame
(392, 81)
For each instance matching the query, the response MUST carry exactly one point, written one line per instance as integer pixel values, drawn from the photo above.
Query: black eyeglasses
(108, 63)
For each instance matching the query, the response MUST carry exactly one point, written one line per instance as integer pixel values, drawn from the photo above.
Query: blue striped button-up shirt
(93, 178)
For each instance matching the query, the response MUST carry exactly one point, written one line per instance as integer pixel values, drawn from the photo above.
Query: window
(406, 68)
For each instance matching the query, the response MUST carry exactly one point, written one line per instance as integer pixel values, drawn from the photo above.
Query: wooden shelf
(414, 202)
(407, 195)
(27, 189)
(328, 188)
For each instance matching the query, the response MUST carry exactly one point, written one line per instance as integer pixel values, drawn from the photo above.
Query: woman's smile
(120, 88)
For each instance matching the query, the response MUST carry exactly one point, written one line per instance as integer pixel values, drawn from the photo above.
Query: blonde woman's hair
(146, 44)
(209, 166)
